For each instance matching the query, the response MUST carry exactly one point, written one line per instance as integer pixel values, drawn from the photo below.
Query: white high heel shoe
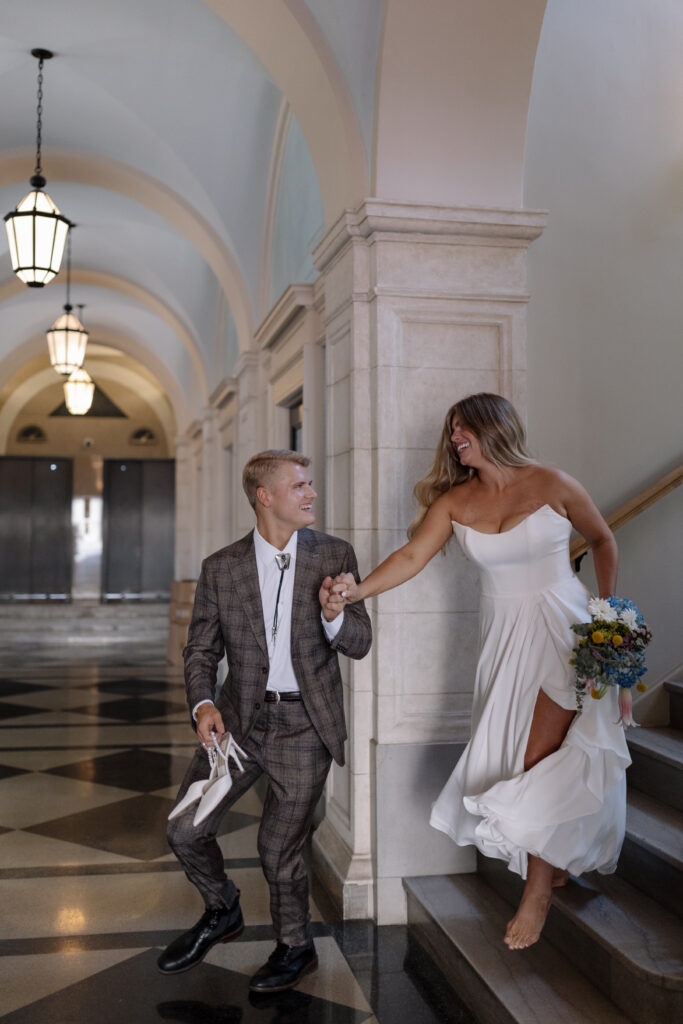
(218, 761)
(219, 783)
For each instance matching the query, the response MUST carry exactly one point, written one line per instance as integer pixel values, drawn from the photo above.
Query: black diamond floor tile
(135, 992)
(18, 710)
(135, 827)
(131, 687)
(131, 709)
(12, 687)
(141, 770)
(7, 771)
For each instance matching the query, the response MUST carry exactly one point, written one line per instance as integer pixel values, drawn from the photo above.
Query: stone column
(211, 497)
(224, 401)
(250, 430)
(423, 305)
(184, 567)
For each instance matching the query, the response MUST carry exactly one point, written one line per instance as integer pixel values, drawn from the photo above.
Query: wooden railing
(631, 509)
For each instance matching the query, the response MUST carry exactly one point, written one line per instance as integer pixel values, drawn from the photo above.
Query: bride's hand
(346, 586)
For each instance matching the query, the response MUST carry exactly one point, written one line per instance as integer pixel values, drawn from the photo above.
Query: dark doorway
(139, 505)
(35, 528)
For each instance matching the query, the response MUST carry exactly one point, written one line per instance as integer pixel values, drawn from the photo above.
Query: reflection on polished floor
(91, 751)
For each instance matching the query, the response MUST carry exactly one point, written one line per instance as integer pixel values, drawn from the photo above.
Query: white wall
(605, 349)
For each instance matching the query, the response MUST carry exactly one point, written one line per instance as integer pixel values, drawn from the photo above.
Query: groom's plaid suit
(292, 742)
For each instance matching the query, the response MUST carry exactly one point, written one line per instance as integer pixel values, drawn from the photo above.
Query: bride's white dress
(570, 808)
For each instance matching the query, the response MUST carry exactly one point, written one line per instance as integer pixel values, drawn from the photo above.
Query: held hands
(336, 593)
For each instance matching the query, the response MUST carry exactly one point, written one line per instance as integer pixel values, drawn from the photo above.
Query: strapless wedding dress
(570, 808)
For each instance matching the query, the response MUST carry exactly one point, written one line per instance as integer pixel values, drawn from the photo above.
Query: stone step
(49, 611)
(625, 943)
(657, 767)
(674, 688)
(460, 921)
(652, 855)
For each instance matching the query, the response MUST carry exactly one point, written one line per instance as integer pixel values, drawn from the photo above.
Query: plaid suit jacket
(228, 618)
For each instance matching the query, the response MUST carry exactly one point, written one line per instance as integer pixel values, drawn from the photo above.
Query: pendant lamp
(79, 390)
(36, 230)
(67, 338)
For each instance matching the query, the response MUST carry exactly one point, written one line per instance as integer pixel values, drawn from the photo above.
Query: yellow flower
(598, 637)
(617, 641)
(595, 693)
(641, 687)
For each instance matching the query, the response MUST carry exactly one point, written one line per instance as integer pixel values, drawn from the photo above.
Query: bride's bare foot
(560, 877)
(525, 927)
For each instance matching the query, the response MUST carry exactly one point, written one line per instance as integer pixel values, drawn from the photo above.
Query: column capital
(466, 223)
(223, 392)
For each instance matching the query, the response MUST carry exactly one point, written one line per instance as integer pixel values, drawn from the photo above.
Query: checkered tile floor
(91, 754)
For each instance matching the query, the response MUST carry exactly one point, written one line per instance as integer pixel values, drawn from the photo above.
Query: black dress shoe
(220, 924)
(285, 966)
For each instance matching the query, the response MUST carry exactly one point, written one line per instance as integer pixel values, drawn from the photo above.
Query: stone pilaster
(184, 567)
(249, 430)
(423, 305)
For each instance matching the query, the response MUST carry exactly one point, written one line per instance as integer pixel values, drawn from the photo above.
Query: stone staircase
(612, 948)
(29, 625)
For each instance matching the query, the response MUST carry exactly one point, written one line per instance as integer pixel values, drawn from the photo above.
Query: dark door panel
(123, 519)
(158, 533)
(35, 527)
(139, 527)
(52, 546)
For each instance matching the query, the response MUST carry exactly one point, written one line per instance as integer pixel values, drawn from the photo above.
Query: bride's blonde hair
(500, 434)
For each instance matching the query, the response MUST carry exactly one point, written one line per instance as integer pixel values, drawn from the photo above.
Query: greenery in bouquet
(610, 651)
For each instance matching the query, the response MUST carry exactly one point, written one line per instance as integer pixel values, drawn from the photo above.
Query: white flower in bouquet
(600, 608)
(629, 617)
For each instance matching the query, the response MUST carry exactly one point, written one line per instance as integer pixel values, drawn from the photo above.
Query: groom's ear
(263, 497)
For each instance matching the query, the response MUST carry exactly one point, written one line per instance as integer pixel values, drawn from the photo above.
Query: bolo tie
(282, 564)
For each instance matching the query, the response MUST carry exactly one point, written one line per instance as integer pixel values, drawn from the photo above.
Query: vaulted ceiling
(159, 125)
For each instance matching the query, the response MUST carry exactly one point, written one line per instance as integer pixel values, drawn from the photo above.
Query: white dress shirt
(281, 676)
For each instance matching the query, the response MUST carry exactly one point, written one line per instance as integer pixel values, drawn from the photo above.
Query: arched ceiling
(158, 130)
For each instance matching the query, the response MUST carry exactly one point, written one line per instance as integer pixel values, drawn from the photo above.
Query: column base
(347, 879)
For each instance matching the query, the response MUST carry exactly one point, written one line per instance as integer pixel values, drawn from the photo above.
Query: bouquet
(610, 652)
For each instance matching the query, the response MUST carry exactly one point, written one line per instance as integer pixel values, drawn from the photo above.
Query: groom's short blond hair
(261, 469)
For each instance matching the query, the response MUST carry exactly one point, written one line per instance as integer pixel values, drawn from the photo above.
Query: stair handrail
(631, 509)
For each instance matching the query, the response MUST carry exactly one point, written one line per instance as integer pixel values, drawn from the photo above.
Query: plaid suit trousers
(283, 745)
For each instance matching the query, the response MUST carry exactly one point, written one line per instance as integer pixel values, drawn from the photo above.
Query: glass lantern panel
(11, 239)
(62, 230)
(23, 227)
(45, 236)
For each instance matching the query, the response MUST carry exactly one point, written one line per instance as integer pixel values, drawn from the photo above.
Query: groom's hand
(344, 587)
(209, 720)
(331, 603)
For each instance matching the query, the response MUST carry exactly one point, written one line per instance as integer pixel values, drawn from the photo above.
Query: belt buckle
(277, 697)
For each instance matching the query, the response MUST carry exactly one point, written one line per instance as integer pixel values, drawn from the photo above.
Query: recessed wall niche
(32, 434)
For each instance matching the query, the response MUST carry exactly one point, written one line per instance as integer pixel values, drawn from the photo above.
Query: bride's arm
(407, 561)
(585, 517)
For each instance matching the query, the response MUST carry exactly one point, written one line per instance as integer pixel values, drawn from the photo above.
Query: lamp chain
(39, 112)
(68, 306)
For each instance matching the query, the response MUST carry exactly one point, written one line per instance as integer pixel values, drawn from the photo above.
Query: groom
(259, 601)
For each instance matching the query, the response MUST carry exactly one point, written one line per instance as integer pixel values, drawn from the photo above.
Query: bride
(538, 785)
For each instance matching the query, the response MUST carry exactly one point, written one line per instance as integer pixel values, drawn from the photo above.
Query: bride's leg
(548, 729)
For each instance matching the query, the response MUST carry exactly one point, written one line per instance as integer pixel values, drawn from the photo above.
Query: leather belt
(275, 696)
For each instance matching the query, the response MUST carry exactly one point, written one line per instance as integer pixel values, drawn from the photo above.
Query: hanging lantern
(36, 230)
(67, 338)
(79, 390)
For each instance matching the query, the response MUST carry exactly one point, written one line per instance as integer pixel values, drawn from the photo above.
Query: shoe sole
(313, 966)
(226, 938)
